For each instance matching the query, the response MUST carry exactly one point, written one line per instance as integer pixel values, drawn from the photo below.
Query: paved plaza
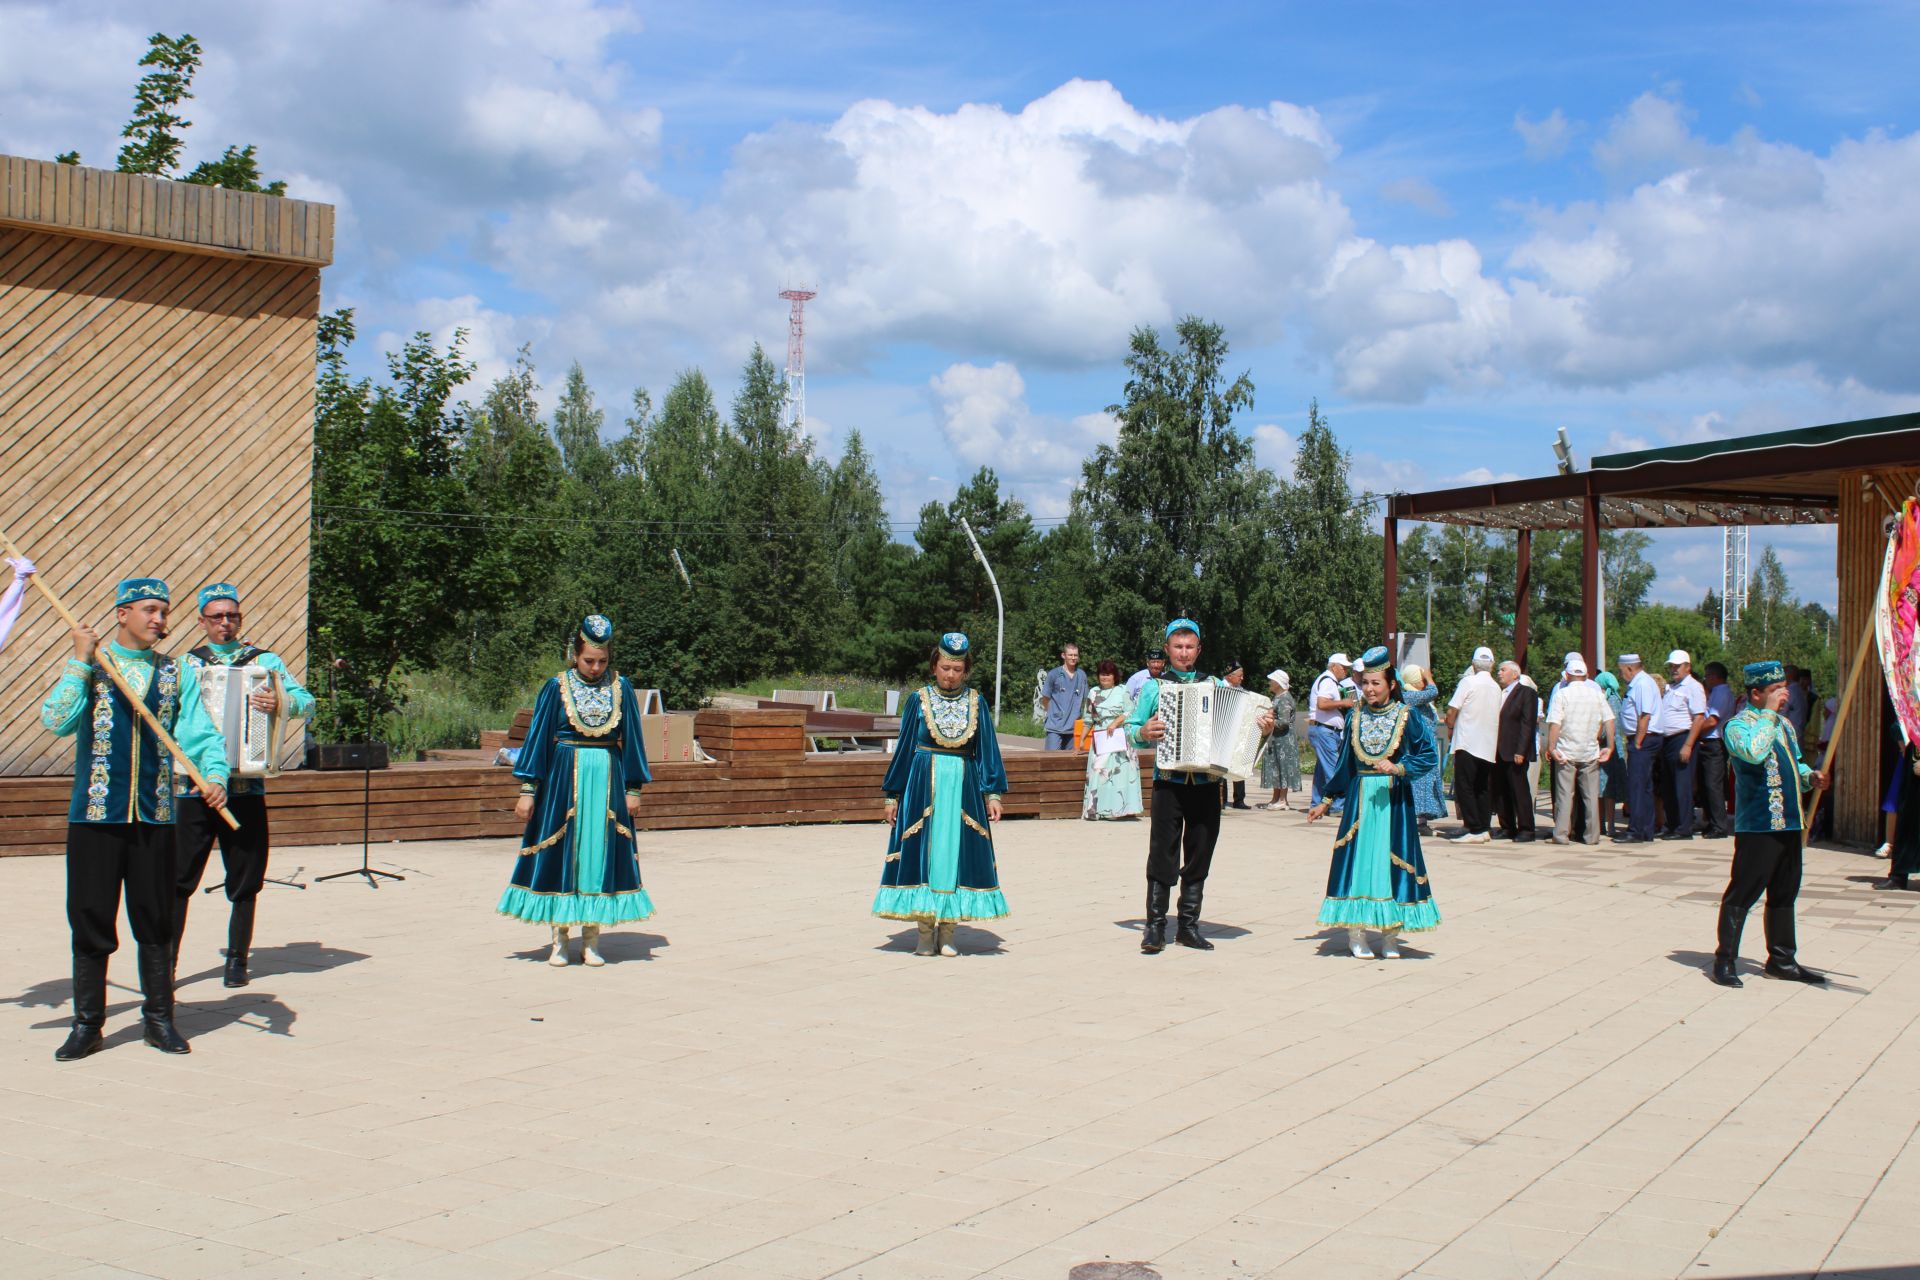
(765, 1082)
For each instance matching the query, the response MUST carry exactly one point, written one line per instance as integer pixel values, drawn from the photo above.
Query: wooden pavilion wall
(1859, 775)
(156, 409)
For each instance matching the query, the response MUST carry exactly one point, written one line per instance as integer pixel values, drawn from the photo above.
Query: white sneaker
(558, 958)
(1884, 851)
(590, 946)
(1470, 837)
(1357, 944)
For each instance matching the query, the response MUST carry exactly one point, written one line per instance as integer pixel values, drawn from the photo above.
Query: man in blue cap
(1184, 815)
(1769, 781)
(243, 853)
(120, 822)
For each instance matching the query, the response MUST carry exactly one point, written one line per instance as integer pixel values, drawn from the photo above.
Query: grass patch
(440, 714)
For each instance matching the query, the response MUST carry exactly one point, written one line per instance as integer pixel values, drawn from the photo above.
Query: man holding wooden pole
(120, 821)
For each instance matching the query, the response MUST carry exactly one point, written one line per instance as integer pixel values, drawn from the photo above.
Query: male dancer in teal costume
(120, 823)
(1185, 811)
(1768, 822)
(243, 853)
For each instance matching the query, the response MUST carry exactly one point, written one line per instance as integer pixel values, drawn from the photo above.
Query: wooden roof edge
(103, 204)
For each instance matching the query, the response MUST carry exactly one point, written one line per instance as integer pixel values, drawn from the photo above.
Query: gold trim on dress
(970, 821)
(573, 716)
(528, 851)
(1407, 867)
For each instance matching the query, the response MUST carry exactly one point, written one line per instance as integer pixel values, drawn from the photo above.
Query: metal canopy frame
(1781, 478)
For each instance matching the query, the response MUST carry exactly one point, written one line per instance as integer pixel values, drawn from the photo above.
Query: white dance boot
(927, 946)
(946, 941)
(1389, 944)
(559, 957)
(590, 945)
(1357, 944)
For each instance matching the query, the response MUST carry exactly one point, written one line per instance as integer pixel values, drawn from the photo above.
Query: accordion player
(254, 737)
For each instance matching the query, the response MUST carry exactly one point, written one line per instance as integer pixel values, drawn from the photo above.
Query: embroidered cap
(218, 591)
(133, 590)
(1761, 674)
(955, 644)
(1374, 658)
(1183, 624)
(1156, 655)
(1629, 659)
(1233, 666)
(596, 629)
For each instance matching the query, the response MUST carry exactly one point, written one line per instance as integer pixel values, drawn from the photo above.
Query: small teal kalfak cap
(1374, 658)
(1761, 674)
(134, 590)
(955, 644)
(218, 591)
(596, 629)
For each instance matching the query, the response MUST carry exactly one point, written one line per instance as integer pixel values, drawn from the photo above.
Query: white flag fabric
(15, 595)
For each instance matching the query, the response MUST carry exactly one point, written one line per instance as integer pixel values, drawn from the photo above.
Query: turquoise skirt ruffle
(919, 902)
(1373, 913)
(575, 908)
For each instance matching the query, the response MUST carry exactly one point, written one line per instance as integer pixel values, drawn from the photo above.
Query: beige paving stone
(776, 1089)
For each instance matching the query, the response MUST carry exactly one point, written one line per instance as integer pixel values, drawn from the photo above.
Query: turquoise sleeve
(1143, 711)
(67, 701)
(299, 701)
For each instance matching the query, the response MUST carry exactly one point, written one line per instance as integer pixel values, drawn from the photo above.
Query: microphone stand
(366, 805)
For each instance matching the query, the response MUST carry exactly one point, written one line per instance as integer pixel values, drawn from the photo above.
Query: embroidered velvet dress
(940, 865)
(583, 757)
(1378, 879)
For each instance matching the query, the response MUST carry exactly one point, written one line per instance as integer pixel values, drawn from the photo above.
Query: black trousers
(1185, 820)
(1710, 766)
(101, 858)
(1513, 798)
(1764, 862)
(243, 853)
(1473, 790)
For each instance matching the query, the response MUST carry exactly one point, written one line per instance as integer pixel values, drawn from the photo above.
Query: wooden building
(156, 408)
(1850, 474)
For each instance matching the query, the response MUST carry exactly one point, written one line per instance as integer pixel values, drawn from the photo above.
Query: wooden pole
(108, 665)
(1846, 704)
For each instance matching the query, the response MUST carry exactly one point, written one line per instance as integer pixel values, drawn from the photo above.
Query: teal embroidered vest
(1767, 795)
(120, 773)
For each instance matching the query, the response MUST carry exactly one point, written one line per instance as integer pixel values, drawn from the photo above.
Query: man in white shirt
(1710, 753)
(1579, 742)
(1327, 705)
(1156, 663)
(1639, 704)
(1682, 719)
(1473, 721)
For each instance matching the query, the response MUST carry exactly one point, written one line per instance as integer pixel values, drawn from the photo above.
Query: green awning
(1803, 438)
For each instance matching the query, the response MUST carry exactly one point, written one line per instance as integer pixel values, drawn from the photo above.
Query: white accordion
(254, 737)
(1210, 729)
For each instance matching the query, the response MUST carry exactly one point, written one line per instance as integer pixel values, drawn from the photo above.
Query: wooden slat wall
(1859, 779)
(156, 417)
(102, 204)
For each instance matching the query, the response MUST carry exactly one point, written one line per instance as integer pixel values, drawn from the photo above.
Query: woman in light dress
(1280, 767)
(1113, 777)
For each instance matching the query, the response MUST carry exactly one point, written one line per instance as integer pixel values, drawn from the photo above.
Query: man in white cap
(1682, 719)
(1579, 742)
(1327, 705)
(1639, 704)
(1473, 725)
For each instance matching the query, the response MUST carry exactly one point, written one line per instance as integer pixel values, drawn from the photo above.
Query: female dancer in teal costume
(1379, 878)
(946, 768)
(580, 773)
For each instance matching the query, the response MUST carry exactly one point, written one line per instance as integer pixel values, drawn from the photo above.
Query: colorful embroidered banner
(1897, 619)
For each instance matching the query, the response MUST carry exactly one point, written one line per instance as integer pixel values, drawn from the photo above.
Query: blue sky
(1459, 227)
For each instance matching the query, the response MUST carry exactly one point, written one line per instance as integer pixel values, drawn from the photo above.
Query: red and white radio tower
(797, 356)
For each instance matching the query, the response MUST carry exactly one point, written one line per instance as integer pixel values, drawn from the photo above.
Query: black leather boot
(156, 984)
(1189, 932)
(239, 942)
(89, 1008)
(1726, 973)
(1154, 940)
(180, 904)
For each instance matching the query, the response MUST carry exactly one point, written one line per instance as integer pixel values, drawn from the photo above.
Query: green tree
(870, 570)
(156, 131)
(577, 423)
(1178, 508)
(952, 592)
(389, 543)
(1328, 556)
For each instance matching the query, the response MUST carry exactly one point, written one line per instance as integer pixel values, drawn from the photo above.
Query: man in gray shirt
(1065, 690)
